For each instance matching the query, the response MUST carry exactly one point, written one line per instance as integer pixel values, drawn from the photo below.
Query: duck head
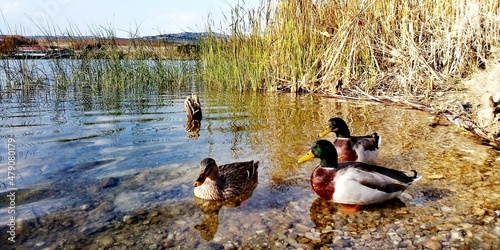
(323, 150)
(208, 169)
(338, 126)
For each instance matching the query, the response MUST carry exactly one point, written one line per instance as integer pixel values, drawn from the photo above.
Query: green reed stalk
(106, 66)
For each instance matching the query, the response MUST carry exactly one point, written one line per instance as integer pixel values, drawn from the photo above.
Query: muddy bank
(475, 108)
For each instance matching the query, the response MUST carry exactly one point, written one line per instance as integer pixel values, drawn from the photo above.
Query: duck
(354, 183)
(225, 181)
(193, 107)
(352, 148)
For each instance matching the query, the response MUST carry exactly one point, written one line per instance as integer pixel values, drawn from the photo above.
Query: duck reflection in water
(194, 115)
(193, 127)
(325, 213)
(209, 226)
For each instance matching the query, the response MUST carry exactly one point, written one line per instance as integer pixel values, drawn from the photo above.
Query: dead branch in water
(380, 99)
(467, 124)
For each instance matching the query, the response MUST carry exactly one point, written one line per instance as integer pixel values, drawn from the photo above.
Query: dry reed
(373, 47)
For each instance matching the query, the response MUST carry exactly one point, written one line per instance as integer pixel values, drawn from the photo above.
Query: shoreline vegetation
(181, 46)
(422, 54)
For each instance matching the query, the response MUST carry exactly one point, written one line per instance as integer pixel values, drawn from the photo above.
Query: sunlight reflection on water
(137, 155)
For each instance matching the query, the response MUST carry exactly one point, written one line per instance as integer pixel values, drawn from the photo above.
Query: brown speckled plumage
(193, 108)
(225, 181)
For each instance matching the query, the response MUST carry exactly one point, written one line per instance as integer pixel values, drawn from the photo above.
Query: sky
(125, 18)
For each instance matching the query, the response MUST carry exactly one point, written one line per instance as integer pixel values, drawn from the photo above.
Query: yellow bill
(325, 132)
(306, 157)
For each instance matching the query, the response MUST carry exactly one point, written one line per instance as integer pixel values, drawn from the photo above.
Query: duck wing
(366, 147)
(367, 142)
(238, 177)
(377, 177)
(392, 173)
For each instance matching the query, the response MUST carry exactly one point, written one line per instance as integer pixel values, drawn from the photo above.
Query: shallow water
(90, 173)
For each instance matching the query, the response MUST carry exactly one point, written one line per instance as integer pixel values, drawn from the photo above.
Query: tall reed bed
(263, 53)
(237, 61)
(104, 66)
(382, 47)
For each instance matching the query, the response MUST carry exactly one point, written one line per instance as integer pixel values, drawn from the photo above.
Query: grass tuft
(102, 66)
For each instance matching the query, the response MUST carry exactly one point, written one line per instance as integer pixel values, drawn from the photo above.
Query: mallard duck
(352, 148)
(193, 107)
(353, 183)
(225, 181)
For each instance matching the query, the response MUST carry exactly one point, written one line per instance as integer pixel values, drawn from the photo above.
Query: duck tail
(415, 176)
(378, 139)
(252, 170)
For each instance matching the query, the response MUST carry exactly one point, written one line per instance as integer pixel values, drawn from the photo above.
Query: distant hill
(184, 37)
(58, 37)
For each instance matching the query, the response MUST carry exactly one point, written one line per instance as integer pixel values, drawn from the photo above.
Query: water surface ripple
(118, 174)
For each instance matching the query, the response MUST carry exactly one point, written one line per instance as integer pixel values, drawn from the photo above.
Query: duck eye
(203, 171)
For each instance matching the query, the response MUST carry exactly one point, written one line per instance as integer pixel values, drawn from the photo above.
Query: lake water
(116, 172)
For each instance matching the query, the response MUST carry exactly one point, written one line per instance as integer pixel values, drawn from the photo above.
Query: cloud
(32, 17)
(10, 7)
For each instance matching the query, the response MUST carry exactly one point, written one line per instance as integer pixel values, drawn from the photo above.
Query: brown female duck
(352, 148)
(353, 183)
(193, 108)
(225, 181)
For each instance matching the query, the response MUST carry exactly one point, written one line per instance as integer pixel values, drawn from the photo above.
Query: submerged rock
(108, 182)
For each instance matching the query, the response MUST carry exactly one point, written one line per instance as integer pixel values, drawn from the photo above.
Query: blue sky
(84, 17)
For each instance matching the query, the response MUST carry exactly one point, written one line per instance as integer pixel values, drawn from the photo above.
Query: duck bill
(199, 181)
(325, 132)
(306, 157)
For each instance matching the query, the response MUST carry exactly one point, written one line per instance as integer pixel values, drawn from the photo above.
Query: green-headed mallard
(352, 148)
(353, 183)
(225, 181)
